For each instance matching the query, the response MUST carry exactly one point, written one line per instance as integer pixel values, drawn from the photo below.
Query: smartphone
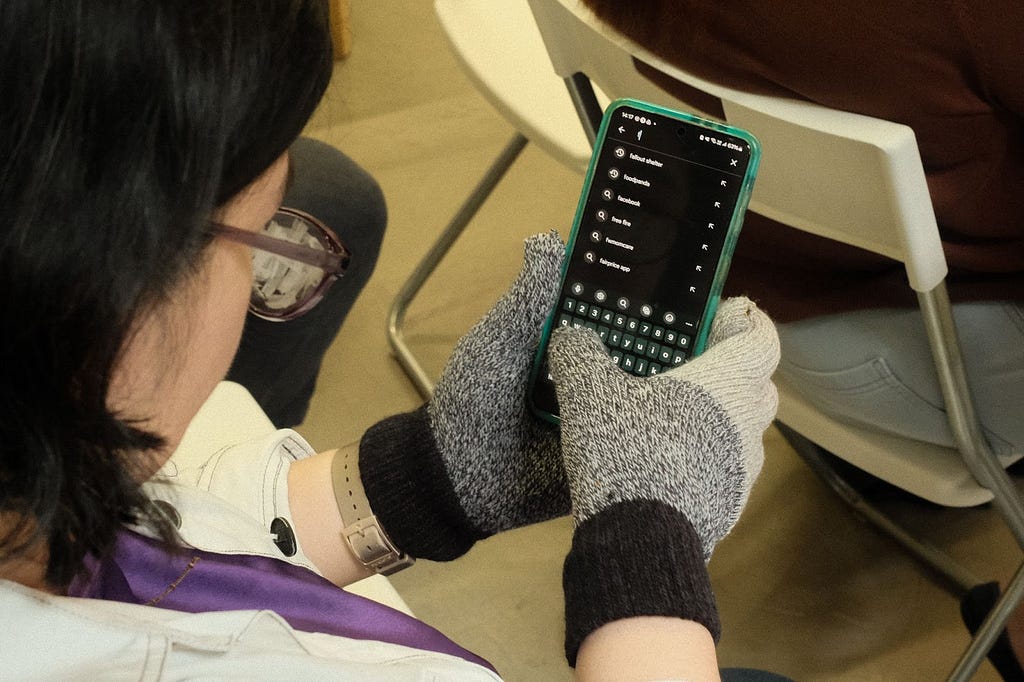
(655, 228)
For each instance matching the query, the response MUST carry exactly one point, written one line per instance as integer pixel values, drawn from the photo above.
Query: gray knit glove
(504, 463)
(659, 469)
(690, 437)
(474, 461)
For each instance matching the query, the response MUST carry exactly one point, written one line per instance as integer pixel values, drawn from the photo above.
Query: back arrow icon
(621, 129)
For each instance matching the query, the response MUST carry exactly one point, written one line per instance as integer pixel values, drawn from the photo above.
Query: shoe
(974, 609)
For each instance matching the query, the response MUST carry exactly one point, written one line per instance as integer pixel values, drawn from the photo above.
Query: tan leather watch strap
(362, 531)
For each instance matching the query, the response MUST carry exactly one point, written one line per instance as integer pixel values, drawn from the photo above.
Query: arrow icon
(621, 130)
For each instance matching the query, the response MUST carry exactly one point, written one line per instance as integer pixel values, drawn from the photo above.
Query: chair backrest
(512, 79)
(840, 175)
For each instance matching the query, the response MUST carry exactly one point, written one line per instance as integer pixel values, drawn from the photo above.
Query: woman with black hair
(146, 155)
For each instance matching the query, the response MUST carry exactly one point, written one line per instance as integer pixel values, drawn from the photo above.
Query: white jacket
(226, 502)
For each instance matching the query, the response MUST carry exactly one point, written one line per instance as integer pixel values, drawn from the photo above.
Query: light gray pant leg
(874, 368)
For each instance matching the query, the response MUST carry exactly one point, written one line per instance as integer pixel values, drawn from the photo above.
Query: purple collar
(141, 571)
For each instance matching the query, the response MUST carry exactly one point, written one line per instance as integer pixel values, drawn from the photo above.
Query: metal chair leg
(971, 442)
(990, 629)
(396, 316)
(979, 459)
(955, 575)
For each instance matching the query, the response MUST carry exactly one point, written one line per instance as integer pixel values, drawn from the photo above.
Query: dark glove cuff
(409, 491)
(636, 558)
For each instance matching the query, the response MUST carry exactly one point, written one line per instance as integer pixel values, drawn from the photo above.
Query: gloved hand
(473, 461)
(659, 468)
(690, 437)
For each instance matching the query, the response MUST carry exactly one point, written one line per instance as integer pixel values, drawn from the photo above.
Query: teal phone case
(729, 245)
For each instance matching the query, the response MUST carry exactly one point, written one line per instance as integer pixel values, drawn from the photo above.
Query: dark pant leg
(278, 362)
(751, 675)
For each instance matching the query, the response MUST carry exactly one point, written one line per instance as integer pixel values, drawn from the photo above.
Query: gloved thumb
(743, 339)
(507, 336)
(530, 298)
(734, 316)
(577, 358)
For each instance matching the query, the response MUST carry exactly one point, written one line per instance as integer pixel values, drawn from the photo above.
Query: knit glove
(474, 461)
(659, 468)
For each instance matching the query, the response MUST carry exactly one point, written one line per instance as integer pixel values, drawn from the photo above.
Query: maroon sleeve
(950, 71)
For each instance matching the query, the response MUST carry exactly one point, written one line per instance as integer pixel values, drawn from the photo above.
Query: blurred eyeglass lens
(279, 282)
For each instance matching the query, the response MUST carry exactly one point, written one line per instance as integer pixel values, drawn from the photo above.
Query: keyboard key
(564, 320)
(639, 346)
(569, 305)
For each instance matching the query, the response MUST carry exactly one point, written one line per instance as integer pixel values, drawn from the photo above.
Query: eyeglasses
(296, 258)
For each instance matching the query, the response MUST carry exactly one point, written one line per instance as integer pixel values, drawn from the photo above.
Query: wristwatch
(362, 530)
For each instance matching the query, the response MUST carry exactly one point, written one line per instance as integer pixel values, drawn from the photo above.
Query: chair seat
(503, 53)
(932, 472)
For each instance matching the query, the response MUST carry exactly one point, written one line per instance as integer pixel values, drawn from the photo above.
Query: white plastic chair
(500, 48)
(857, 180)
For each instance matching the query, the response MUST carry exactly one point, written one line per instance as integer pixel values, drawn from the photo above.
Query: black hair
(124, 124)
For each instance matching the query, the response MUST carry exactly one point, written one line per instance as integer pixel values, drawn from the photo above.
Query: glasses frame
(333, 261)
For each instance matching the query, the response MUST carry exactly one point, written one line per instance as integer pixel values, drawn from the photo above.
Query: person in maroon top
(954, 73)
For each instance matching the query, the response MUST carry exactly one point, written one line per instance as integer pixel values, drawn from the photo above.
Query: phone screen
(654, 231)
